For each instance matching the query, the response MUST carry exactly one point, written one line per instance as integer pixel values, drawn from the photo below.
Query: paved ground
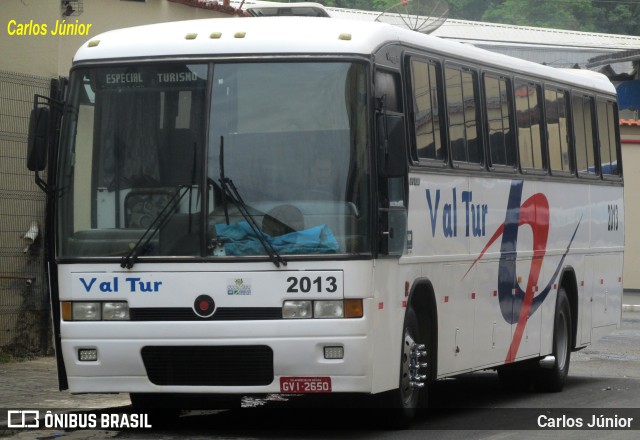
(33, 385)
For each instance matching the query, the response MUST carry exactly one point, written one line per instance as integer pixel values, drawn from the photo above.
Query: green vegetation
(6, 358)
(607, 16)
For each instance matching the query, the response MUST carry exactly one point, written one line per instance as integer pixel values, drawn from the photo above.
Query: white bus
(308, 205)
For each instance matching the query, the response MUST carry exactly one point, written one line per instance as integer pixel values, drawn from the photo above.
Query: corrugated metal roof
(628, 55)
(475, 31)
(554, 47)
(212, 6)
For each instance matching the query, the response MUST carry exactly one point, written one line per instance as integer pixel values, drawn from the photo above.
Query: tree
(468, 9)
(618, 17)
(366, 5)
(557, 14)
(621, 19)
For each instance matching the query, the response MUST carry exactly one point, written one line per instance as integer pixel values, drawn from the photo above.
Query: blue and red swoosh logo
(516, 303)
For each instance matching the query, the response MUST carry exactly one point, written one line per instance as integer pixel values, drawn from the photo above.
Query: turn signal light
(353, 308)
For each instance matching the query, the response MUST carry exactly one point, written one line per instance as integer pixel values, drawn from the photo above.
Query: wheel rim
(406, 390)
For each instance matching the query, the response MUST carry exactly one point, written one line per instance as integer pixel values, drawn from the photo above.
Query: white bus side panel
(461, 240)
(494, 333)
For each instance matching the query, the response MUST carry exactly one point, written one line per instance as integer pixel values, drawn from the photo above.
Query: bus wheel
(551, 379)
(404, 401)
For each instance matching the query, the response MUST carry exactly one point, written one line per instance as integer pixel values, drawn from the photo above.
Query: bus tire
(403, 402)
(552, 379)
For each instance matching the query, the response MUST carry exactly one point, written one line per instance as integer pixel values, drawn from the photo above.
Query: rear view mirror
(38, 139)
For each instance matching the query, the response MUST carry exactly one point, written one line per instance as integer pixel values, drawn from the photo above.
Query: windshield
(141, 172)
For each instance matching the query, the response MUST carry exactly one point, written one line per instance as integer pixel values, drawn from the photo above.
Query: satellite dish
(417, 15)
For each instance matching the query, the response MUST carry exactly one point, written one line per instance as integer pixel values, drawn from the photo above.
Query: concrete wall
(51, 55)
(31, 53)
(631, 162)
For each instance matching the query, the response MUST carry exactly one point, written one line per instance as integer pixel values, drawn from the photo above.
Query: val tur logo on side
(517, 304)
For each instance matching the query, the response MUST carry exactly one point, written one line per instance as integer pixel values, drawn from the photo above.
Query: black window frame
(616, 137)
(569, 131)
(538, 113)
(479, 124)
(537, 85)
(510, 138)
(439, 89)
(590, 98)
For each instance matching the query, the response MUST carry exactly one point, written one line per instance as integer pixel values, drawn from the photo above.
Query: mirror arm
(43, 185)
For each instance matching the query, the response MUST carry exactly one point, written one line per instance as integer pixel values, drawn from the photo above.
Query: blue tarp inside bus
(241, 240)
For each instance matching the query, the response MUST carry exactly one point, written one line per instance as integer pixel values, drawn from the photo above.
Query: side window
(498, 109)
(426, 115)
(557, 130)
(462, 114)
(583, 135)
(607, 137)
(529, 116)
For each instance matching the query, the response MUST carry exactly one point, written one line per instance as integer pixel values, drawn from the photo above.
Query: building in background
(32, 53)
(623, 68)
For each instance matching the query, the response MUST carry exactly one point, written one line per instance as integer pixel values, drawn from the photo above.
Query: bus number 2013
(318, 284)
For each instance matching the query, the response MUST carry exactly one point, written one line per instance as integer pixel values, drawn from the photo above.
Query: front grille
(238, 365)
(221, 314)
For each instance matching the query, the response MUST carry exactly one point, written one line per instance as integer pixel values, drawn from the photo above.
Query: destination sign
(149, 77)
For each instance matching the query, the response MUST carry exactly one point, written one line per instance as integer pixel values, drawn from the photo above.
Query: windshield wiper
(229, 189)
(159, 221)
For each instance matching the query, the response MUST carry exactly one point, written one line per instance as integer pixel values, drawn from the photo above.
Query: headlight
(328, 309)
(115, 311)
(95, 311)
(297, 310)
(86, 311)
